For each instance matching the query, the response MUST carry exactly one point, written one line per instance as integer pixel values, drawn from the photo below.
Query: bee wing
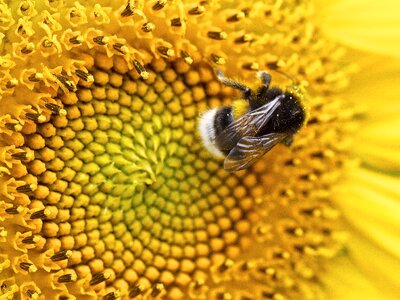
(247, 125)
(249, 149)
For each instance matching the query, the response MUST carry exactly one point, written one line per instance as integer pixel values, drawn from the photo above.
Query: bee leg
(234, 84)
(264, 77)
(288, 141)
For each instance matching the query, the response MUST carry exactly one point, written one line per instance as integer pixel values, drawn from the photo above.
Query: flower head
(106, 190)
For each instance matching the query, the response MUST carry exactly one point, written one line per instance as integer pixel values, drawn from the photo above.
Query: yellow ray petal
(379, 156)
(382, 183)
(378, 143)
(373, 214)
(385, 132)
(345, 282)
(370, 204)
(375, 87)
(381, 267)
(372, 26)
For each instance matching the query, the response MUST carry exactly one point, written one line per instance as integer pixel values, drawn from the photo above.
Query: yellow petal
(385, 132)
(370, 205)
(375, 91)
(379, 156)
(375, 86)
(370, 202)
(372, 26)
(346, 282)
(381, 267)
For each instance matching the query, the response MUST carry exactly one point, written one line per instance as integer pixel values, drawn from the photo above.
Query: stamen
(100, 40)
(74, 13)
(29, 267)
(166, 51)
(76, 40)
(198, 10)
(24, 6)
(199, 283)
(136, 291)
(100, 277)
(274, 65)
(228, 263)
(30, 239)
(148, 27)
(35, 77)
(41, 214)
(13, 210)
(14, 127)
(157, 289)
(216, 35)
(177, 22)
(159, 4)
(32, 294)
(56, 109)
(84, 76)
(267, 270)
(140, 69)
(47, 43)
(246, 11)
(223, 296)
(26, 188)
(236, 17)
(66, 82)
(37, 118)
(28, 48)
(218, 59)
(252, 66)
(66, 278)
(121, 48)
(186, 58)
(64, 254)
(270, 295)
(21, 30)
(129, 10)
(112, 296)
(11, 83)
(244, 39)
(246, 266)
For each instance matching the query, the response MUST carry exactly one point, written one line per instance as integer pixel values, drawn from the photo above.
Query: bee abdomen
(209, 131)
(223, 117)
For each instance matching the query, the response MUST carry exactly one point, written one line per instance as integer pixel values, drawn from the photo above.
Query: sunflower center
(158, 210)
(126, 199)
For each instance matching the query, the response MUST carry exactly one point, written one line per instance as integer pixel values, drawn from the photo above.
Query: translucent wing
(247, 125)
(249, 149)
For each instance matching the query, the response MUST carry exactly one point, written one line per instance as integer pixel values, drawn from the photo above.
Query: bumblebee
(253, 125)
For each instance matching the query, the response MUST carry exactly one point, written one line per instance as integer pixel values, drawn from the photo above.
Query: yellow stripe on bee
(239, 108)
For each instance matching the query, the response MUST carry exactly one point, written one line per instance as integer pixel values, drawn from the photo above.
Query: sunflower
(106, 191)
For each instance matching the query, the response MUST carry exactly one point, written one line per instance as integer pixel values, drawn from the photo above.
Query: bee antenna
(294, 81)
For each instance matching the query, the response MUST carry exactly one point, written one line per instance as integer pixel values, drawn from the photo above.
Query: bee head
(298, 92)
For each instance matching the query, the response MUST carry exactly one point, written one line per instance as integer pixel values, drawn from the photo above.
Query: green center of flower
(152, 195)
